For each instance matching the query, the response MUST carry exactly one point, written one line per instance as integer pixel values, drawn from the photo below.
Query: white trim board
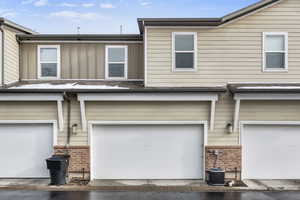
(53, 122)
(266, 96)
(192, 96)
(31, 97)
(145, 56)
(91, 123)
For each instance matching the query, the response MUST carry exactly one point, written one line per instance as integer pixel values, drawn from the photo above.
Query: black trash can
(58, 166)
(216, 177)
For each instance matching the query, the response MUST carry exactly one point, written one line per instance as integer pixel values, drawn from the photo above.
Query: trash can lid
(58, 158)
(216, 170)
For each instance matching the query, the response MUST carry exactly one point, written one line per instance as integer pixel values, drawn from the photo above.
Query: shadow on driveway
(101, 195)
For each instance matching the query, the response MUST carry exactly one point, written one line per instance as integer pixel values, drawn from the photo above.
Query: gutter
(135, 90)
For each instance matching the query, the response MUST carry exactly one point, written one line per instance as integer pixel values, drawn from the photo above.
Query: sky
(106, 16)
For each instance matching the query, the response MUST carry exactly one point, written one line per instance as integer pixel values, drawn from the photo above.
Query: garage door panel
(24, 148)
(271, 151)
(147, 151)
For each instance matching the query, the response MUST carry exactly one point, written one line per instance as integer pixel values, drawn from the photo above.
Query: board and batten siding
(231, 53)
(82, 60)
(11, 56)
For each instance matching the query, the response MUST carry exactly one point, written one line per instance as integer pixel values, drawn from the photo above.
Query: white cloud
(40, 3)
(107, 5)
(27, 2)
(145, 3)
(7, 13)
(76, 15)
(88, 5)
(71, 5)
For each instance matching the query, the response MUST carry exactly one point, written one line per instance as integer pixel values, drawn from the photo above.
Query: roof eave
(207, 22)
(81, 37)
(247, 10)
(18, 27)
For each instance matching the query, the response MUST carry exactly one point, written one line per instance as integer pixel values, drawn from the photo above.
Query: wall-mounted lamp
(229, 128)
(74, 129)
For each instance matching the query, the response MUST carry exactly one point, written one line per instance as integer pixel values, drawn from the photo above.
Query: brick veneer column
(80, 157)
(228, 160)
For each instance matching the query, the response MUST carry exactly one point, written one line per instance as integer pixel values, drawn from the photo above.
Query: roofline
(248, 9)
(265, 91)
(207, 22)
(132, 90)
(16, 26)
(80, 37)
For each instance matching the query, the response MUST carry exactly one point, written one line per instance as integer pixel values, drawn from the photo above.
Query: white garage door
(271, 152)
(23, 150)
(147, 152)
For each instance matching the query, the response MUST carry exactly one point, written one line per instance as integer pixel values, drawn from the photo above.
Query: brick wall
(229, 159)
(80, 157)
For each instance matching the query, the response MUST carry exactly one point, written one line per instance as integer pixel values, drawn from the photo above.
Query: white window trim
(286, 47)
(39, 61)
(125, 62)
(174, 52)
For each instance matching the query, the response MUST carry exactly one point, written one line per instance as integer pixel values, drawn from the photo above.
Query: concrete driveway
(98, 195)
(278, 185)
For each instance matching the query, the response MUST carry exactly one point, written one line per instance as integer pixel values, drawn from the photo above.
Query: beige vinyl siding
(120, 111)
(161, 111)
(45, 111)
(232, 53)
(82, 61)
(154, 111)
(270, 111)
(11, 56)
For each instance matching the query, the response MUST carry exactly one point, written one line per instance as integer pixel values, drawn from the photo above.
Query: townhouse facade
(159, 104)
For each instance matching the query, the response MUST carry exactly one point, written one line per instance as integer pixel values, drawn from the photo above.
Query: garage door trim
(92, 123)
(243, 123)
(53, 122)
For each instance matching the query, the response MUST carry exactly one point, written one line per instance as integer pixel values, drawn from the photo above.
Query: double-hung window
(184, 47)
(116, 62)
(275, 51)
(48, 61)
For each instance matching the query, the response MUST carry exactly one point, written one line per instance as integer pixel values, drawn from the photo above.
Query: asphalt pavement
(131, 195)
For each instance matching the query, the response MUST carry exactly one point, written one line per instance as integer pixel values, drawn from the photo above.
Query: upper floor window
(116, 62)
(184, 55)
(48, 61)
(275, 51)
